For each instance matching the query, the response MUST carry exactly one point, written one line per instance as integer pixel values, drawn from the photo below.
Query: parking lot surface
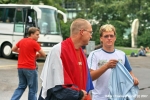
(9, 79)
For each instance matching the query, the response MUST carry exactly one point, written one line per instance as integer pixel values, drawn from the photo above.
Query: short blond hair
(107, 28)
(78, 24)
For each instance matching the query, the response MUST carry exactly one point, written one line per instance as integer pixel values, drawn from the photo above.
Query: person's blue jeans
(27, 78)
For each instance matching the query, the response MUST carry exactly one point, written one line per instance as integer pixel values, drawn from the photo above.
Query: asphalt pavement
(141, 69)
(9, 79)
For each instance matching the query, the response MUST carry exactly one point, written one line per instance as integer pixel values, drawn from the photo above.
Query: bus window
(19, 16)
(9, 15)
(1, 14)
(48, 23)
(19, 22)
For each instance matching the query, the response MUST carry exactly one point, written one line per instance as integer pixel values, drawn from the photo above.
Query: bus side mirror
(64, 16)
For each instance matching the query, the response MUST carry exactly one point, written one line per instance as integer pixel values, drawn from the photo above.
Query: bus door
(19, 25)
(30, 20)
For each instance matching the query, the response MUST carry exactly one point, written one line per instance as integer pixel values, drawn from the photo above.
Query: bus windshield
(48, 23)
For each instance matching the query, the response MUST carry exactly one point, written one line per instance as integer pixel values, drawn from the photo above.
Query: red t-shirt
(27, 53)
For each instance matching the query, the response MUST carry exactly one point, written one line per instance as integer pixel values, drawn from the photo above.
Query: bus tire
(6, 51)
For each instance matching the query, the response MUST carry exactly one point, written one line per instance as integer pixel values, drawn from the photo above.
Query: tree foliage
(119, 13)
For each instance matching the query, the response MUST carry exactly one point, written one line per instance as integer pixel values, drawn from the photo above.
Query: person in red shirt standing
(29, 50)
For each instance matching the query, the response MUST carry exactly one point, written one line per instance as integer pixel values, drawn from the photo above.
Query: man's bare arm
(15, 49)
(41, 53)
(97, 73)
(136, 81)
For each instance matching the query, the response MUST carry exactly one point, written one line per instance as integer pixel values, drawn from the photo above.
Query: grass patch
(128, 50)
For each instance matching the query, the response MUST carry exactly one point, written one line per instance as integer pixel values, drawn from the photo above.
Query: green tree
(121, 14)
(5, 1)
(144, 39)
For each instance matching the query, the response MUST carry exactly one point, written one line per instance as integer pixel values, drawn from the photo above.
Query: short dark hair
(32, 30)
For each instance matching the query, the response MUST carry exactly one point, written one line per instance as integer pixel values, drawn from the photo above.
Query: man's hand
(84, 94)
(112, 63)
(88, 97)
(37, 55)
(135, 80)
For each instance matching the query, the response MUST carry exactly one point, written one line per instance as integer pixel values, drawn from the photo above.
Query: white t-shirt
(30, 18)
(96, 59)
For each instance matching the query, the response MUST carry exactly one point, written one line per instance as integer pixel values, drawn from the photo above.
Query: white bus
(15, 21)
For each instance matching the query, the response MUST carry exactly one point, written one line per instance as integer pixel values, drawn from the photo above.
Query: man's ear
(81, 32)
(115, 38)
(32, 34)
(100, 39)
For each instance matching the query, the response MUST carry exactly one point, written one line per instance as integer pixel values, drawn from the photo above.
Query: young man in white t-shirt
(101, 61)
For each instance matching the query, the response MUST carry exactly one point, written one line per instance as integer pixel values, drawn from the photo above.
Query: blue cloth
(26, 78)
(121, 84)
(89, 85)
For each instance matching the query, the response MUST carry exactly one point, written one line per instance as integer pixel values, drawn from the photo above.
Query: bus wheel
(6, 51)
